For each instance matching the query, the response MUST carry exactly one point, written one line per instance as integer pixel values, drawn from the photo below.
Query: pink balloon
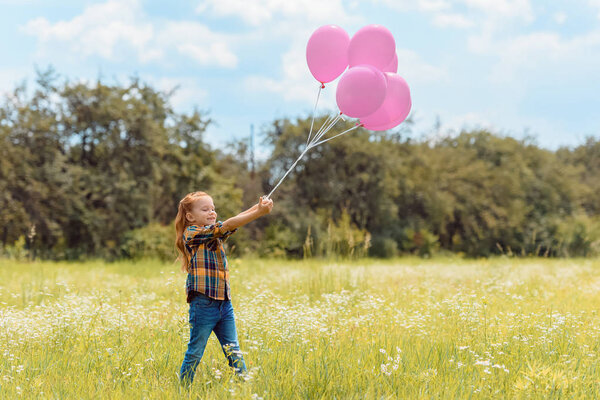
(392, 66)
(373, 45)
(395, 107)
(327, 52)
(361, 91)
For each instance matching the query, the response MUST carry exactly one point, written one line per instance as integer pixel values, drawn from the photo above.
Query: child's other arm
(262, 208)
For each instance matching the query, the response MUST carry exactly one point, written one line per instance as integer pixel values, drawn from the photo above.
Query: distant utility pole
(252, 151)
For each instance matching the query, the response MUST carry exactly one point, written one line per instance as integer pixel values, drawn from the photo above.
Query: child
(199, 240)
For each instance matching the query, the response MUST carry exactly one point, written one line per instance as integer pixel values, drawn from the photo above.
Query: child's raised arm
(251, 209)
(258, 210)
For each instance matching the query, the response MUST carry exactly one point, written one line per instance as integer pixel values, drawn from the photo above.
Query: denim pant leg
(227, 335)
(204, 315)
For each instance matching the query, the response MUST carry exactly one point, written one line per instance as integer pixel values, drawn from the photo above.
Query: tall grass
(406, 328)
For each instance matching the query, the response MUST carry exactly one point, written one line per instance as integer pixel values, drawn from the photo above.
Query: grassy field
(405, 328)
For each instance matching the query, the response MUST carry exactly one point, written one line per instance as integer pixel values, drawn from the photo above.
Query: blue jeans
(207, 315)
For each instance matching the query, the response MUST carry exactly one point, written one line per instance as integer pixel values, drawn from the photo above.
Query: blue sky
(512, 66)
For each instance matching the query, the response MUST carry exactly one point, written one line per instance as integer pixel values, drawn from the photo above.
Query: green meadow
(314, 329)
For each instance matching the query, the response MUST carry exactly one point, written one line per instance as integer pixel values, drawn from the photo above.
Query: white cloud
(293, 23)
(10, 78)
(540, 52)
(295, 83)
(502, 9)
(560, 17)
(188, 91)
(467, 13)
(18, 2)
(98, 30)
(113, 29)
(415, 70)
(452, 21)
(431, 6)
(259, 12)
(198, 42)
(252, 12)
(596, 5)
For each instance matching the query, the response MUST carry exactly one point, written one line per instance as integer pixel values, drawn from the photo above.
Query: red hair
(181, 222)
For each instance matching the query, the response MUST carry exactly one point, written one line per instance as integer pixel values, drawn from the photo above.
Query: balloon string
(325, 128)
(288, 171)
(327, 121)
(339, 134)
(313, 114)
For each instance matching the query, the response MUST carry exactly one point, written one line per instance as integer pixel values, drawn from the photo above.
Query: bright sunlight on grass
(407, 328)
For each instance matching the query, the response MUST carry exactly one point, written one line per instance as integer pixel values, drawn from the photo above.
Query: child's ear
(189, 217)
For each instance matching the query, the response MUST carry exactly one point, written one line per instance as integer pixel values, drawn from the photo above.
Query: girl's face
(203, 212)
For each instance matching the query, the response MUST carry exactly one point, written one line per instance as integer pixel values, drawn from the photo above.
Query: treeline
(97, 170)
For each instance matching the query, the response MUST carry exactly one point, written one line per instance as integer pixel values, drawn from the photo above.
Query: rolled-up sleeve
(195, 235)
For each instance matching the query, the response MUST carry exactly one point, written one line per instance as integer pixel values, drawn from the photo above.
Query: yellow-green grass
(403, 328)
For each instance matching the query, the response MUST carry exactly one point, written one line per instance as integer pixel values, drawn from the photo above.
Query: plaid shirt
(208, 262)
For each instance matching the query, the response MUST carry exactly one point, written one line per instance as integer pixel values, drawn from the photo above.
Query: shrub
(153, 240)
(578, 236)
(383, 247)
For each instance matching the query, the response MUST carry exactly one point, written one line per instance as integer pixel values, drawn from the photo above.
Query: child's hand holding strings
(264, 206)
